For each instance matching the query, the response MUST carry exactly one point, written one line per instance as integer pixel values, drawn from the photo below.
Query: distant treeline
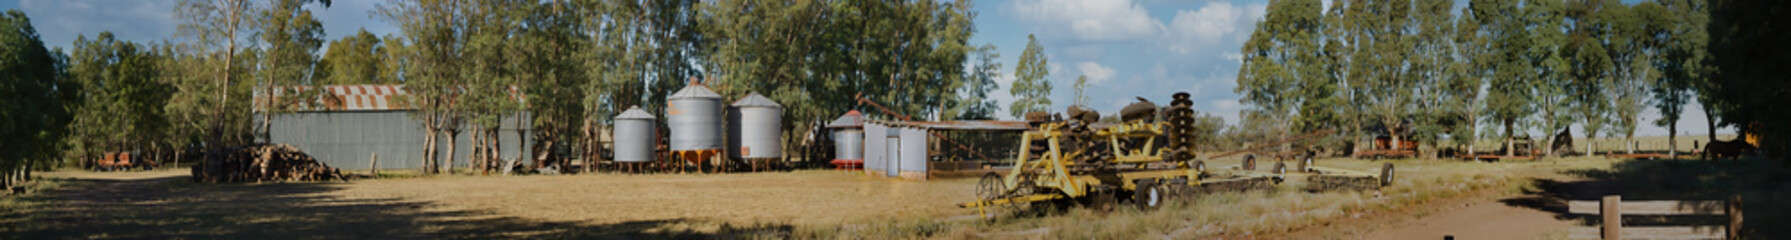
(1442, 75)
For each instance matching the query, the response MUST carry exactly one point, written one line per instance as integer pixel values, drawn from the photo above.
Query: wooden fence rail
(1612, 208)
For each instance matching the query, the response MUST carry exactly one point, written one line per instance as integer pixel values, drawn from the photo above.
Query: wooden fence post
(1734, 217)
(1613, 219)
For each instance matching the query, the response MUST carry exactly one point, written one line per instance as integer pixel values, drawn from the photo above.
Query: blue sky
(1128, 48)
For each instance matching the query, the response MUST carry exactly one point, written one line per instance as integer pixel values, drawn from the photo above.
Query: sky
(1127, 48)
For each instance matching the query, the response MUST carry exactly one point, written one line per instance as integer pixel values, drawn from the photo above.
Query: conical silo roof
(852, 119)
(634, 112)
(756, 100)
(694, 91)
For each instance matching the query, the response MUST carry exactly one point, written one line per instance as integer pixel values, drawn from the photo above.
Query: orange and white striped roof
(342, 98)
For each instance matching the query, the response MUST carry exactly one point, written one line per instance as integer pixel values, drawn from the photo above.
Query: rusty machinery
(1072, 161)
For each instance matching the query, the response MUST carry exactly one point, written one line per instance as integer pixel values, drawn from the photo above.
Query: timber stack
(262, 162)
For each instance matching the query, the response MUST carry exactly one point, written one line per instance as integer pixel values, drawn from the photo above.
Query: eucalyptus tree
(292, 36)
(33, 120)
(1031, 89)
(1431, 65)
(1589, 64)
(119, 106)
(433, 33)
(354, 59)
(1464, 88)
(1507, 91)
(215, 28)
(1284, 72)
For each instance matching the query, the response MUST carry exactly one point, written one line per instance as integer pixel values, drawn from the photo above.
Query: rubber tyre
(1386, 174)
(1249, 162)
(1280, 168)
(1148, 196)
(1306, 165)
(1200, 166)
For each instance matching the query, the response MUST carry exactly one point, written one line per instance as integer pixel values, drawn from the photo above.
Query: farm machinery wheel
(1305, 165)
(1249, 162)
(1386, 176)
(1148, 195)
(1280, 168)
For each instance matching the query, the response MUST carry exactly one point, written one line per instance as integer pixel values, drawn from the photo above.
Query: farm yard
(841, 204)
(838, 119)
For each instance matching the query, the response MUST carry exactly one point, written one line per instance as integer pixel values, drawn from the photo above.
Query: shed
(906, 149)
(344, 125)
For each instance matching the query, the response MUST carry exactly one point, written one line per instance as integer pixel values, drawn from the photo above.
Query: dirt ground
(162, 204)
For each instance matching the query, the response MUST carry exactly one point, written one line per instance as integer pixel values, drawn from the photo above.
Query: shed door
(895, 155)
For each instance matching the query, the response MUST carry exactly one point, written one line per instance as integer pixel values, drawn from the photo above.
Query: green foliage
(1031, 88)
(120, 103)
(1747, 52)
(354, 59)
(33, 119)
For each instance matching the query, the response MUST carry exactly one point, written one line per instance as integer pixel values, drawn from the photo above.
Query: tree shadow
(1758, 182)
(171, 208)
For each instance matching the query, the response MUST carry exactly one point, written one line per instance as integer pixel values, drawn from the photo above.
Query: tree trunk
(1510, 144)
(453, 142)
(1709, 121)
(1673, 140)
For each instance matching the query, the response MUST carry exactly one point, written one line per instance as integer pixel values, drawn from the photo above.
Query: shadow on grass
(1760, 183)
(171, 208)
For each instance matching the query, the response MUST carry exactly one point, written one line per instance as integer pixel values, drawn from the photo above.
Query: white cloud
(1227, 109)
(1089, 20)
(1096, 73)
(1216, 24)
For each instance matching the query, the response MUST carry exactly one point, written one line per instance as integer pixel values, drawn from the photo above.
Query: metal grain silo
(756, 125)
(634, 135)
(694, 116)
(848, 140)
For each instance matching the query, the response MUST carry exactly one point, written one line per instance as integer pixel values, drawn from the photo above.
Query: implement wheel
(1306, 165)
(1386, 174)
(1148, 195)
(1250, 162)
(990, 187)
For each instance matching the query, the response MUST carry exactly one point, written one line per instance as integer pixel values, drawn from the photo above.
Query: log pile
(262, 162)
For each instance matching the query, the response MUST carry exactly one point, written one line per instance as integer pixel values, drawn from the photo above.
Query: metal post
(1613, 220)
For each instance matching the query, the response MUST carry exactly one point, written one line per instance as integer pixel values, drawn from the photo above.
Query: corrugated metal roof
(634, 112)
(852, 119)
(756, 100)
(694, 91)
(365, 97)
(981, 125)
(359, 97)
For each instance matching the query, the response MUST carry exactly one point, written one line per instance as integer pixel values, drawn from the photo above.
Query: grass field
(815, 204)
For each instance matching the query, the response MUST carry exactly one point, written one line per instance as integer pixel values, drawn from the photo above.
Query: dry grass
(801, 197)
(801, 204)
(1248, 214)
